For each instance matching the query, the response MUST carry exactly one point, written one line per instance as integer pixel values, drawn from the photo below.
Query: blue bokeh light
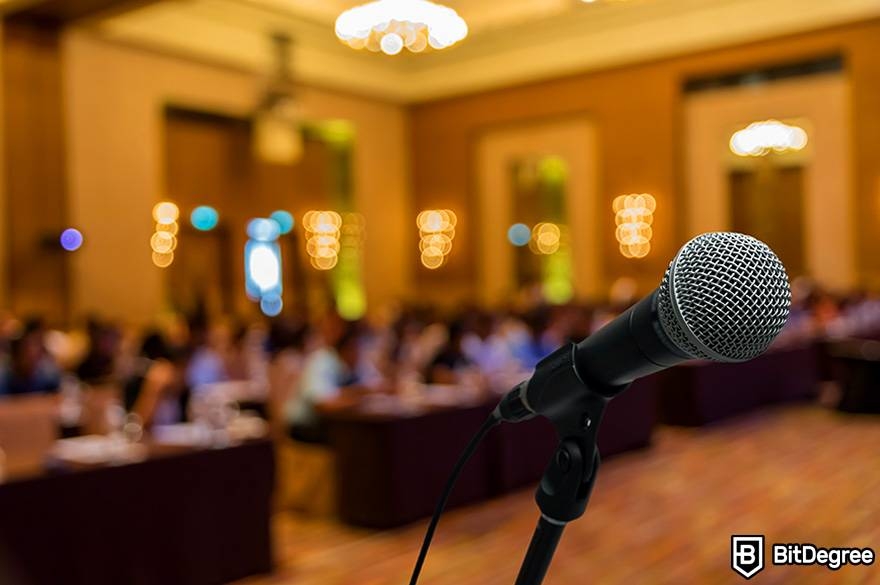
(271, 305)
(204, 218)
(519, 234)
(284, 219)
(263, 230)
(71, 239)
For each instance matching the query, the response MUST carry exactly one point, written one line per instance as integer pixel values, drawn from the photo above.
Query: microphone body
(631, 346)
(724, 297)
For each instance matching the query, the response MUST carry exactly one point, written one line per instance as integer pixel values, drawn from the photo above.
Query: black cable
(456, 471)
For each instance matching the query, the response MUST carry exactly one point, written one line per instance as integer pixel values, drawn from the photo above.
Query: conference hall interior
(267, 266)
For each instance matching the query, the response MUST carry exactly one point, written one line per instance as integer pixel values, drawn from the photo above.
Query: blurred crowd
(296, 366)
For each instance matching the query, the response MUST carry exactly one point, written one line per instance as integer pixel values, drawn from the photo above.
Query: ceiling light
(762, 138)
(391, 25)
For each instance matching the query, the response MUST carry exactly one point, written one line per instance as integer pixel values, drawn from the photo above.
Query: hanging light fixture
(392, 25)
(277, 136)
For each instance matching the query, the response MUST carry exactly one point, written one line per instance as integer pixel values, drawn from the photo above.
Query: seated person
(450, 359)
(157, 391)
(99, 364)
(326, 371)
(30, 368)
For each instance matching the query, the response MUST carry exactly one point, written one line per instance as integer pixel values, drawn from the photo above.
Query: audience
(451, 358)
(29, 367)
(331, 367)
(99, 364)
(300, 370)
(157, 391)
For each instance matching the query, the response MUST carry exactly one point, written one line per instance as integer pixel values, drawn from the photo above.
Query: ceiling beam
(65, 11)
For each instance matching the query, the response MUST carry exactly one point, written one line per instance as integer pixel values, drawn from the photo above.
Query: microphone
(725, 297)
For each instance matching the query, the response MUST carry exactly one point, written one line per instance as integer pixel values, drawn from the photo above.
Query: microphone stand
(565, 488)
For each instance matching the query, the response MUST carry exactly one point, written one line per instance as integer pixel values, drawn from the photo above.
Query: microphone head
(724, 297)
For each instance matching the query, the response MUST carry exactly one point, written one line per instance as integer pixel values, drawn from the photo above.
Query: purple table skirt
(390, 471)
(200, 518)
(521, 452)
(705, 392)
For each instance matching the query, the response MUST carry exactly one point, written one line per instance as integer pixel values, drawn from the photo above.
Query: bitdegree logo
(830, 558)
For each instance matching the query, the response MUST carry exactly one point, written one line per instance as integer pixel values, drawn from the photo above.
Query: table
(699, 393)
(521, 452)
(855, 365)
(391, 467)
(189, 517)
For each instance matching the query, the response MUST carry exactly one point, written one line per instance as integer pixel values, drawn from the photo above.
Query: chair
(306, 473)
(96, 401)
(307, 478)
(28, 429)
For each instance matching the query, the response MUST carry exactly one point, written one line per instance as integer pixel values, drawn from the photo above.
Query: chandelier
(277, 135)
(762, 138)
(392, 25)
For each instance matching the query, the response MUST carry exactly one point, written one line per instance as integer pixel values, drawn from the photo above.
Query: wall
(33, 171)
(638, 113)
(497, 151)
(115, 100)
(4, 279)
(821, 104)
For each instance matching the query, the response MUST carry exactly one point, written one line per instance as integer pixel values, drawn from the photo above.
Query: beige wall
(114, 99)
(572, 139)
(821, 104)
(4, 237)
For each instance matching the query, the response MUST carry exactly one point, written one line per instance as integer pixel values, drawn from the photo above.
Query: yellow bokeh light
(163, 242)
(633, 215)
(639, 250)
(166, 212)
(163, 260)
(436, 232)
(440, 241)
(323, 230)
(546, 238)
(172, 228)
(324, 263)
(432, 258)
(547, 248)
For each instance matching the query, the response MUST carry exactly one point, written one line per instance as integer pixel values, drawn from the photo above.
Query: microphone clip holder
(568, 480)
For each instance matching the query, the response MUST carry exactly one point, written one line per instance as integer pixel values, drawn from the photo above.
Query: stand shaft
(540, 553)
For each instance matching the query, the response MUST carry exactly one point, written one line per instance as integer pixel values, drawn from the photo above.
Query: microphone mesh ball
(724, 297)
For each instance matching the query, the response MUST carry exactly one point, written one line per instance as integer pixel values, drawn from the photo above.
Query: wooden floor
(662, 515)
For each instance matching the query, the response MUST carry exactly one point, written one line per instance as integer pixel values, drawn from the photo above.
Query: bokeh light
(163, 260)
(204, 218)
(163, 242)
(71, 239)
(166, 212)
(171, 228)
(436, 232)
(323, 231)
(271, 305)
(762, 138)
(391, 25)
(264, 268)
(633, 215)
(263, 230)
(284, 220)
(546, 237)
(518, 234)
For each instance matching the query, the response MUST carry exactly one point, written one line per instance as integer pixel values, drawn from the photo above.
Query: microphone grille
(724, 297)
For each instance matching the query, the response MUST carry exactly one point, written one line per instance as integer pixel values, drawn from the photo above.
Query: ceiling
(511, 41)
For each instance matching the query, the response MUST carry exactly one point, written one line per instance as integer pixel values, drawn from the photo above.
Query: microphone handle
(629, 347)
